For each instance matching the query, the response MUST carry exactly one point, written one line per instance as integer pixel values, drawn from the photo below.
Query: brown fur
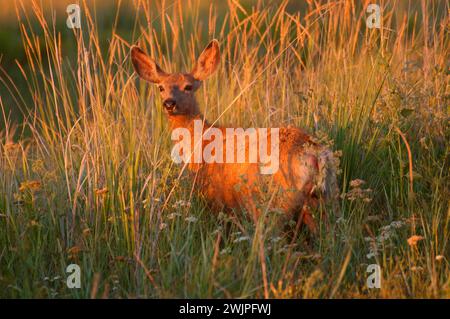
(292, 189)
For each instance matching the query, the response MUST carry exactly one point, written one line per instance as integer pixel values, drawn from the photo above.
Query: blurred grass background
(85, 170)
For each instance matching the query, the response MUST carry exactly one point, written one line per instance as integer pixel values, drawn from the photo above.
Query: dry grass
(87, 176)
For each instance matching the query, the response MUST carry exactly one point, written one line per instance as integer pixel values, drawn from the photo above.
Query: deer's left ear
(207, 62)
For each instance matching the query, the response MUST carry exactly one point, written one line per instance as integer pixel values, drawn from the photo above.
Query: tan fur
(306, 169)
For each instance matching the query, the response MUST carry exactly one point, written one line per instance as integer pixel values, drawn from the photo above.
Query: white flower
(371, 255)
(276, 239)
(181, 203)
(397, 224)
(173, 215)
(191, 219)
(242, 238)
(225, 251)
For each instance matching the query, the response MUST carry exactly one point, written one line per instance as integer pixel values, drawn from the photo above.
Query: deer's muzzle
(169, 104)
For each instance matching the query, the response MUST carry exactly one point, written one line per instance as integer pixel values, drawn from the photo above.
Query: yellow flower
(357, 183)
(10, 146)
(74, 250)
(101, 191)
(34, 223)
(413, 240)
(30, 185)
(86, 232)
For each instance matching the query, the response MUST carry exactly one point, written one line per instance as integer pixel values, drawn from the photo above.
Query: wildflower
(397, 224)
(191, 219)
(368, 239)
(101, 191)
(357, 183)
(30, 185)
(240, 239)
(38, 167)
(439, 257)
(276, 239)
(358, 193)
(384, 236)
(34, 223)
(225, 251)
(423, 143)
(181, 203)
(371, 255)
(11, 148)
(86, 232)
(73, 252)
(162, 226)
(413, 240)
(386, 233)
(173, 215)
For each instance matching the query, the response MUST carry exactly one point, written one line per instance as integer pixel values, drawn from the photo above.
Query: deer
(306, 175)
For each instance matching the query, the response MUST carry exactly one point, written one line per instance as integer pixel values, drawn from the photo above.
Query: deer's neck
(183, 121)
(196, 126)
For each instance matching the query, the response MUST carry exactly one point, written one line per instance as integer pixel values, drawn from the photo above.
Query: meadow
(86, 175)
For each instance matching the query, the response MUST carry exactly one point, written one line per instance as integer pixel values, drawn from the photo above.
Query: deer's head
(177, 89)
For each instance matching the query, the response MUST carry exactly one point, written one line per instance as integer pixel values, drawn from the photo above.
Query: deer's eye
(161, 89)
(188, 87)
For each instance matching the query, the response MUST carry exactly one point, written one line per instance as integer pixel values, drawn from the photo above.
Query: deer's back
(241, 185)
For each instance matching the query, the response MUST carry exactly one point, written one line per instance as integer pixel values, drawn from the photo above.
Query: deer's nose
(169, 104)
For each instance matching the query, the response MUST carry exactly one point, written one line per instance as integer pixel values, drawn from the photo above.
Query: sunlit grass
(87, 177)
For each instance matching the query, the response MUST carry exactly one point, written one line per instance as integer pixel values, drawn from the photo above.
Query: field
(86, 176)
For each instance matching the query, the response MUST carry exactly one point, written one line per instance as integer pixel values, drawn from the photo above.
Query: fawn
(306, 173)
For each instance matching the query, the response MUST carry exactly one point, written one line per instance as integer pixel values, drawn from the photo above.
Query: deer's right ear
(145, 66)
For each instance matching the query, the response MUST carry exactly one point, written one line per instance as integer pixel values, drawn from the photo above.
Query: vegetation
(85, 169)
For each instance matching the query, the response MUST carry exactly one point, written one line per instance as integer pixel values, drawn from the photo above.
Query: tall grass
(87, 177)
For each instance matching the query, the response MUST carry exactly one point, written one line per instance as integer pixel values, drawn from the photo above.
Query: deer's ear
(145, 66)
(207, 62)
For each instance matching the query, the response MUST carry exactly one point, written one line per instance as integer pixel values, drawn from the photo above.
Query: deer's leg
(307, 219)
(302, 218)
